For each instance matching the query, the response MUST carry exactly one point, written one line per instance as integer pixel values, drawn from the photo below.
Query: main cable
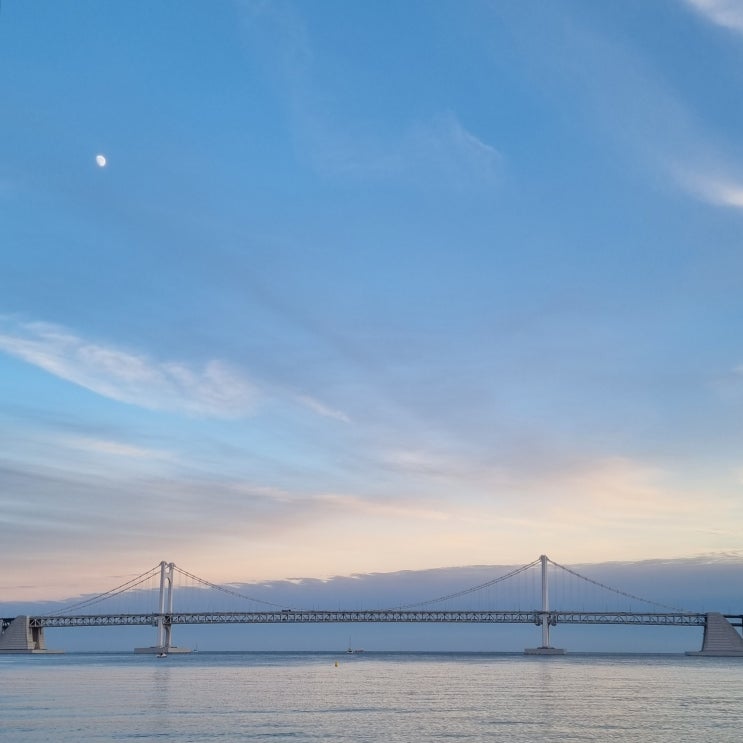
(468, 590)
(617, 590)
(223, 589)
(133, 583)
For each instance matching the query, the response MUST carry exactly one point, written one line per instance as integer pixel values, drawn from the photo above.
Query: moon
(100, 161)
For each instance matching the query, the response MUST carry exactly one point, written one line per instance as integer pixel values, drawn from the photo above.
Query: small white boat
(351, 650)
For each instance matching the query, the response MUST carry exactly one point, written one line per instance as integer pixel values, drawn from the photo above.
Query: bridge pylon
(545, 618)
(165, 612)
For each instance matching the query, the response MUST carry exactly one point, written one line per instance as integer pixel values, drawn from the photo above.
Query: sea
(406, 697)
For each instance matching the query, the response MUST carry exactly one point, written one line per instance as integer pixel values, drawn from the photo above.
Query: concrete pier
(544, 651)
(720, 638)
(19, 637)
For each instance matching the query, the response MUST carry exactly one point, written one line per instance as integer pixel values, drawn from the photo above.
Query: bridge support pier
(720, 638)
(545, 619)
(18, 636)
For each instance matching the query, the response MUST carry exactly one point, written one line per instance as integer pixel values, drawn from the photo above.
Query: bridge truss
(373, 616)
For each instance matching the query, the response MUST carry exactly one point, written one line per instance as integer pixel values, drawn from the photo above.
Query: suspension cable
(469, 590)
(223, 589)
(133, 583)
(615, 590)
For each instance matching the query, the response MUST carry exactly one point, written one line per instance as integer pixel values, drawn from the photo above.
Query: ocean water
(369, 697)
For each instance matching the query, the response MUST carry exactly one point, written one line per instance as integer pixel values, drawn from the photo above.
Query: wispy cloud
(440, 151)
(714, 189)
(444, 147)
(726, 13)
(623, 94)
(321, 409)
(114, 448)
(215, 390)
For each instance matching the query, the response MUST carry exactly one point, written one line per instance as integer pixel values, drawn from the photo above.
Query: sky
(367, 287)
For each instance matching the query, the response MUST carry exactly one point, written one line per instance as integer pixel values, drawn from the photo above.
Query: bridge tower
(165, 610)
(544, 618)
(166, 602)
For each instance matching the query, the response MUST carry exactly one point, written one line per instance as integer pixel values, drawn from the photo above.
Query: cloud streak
(114, 448)
(624, 95)
(214, 390)
(321, 409)
(714, 189)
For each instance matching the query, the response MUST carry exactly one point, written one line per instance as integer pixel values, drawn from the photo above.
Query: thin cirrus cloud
(439, 150)
(321, 409)
(714, 189)
(445, 147)
(726, 13)
(215, 390)
(627, 98)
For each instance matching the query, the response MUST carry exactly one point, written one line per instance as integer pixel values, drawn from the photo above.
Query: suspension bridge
(25, 633)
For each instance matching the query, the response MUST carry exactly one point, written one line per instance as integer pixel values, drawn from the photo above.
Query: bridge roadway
(287, 616)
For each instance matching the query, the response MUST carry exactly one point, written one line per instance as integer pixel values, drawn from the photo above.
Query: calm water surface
(370, 697)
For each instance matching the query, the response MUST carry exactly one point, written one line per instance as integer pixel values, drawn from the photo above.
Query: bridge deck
(379, 615)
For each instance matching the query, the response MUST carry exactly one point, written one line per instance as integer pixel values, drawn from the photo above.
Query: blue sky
(366, 287)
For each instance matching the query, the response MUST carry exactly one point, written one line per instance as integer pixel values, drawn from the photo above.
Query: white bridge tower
(544, 618)
(165, 610)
